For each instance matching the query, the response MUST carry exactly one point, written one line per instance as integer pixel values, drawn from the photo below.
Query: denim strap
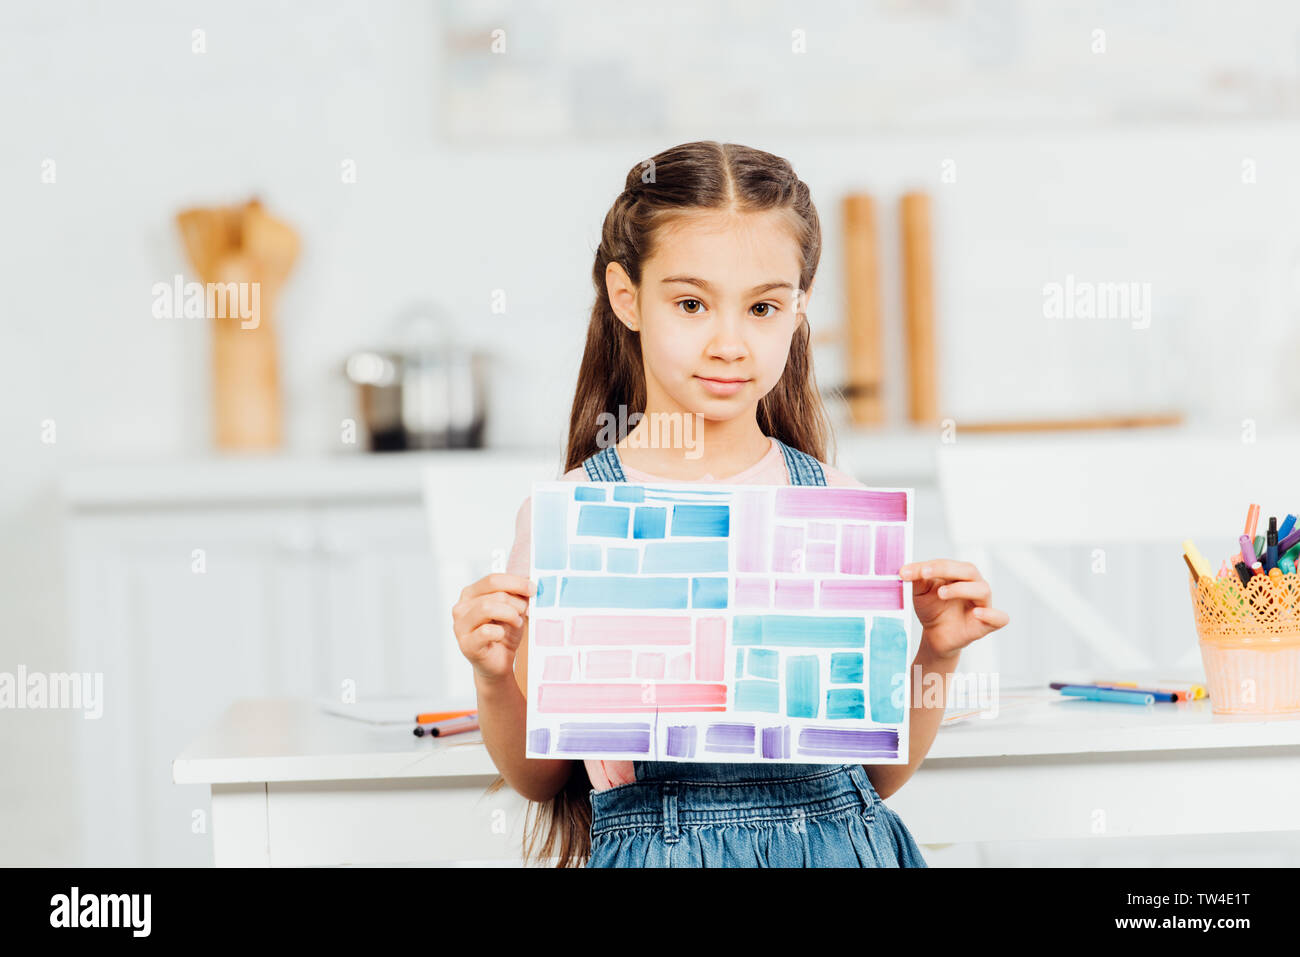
(604, 466)
(804, 469)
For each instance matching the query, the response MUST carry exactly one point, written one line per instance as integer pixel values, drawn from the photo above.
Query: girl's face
(716, 310)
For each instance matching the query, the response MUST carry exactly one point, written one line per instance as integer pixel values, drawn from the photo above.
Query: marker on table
(1108, 694)
(1157, 694)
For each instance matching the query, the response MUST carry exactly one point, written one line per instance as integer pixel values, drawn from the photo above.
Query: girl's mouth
(722, 386)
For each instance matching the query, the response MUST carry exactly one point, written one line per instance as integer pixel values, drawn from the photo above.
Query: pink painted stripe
(787, 548)
(819, 557)
(608, 664)
(630, 630)
(750, 518)
(855, 504)
(889, 549)
(862, 595)
(855, 549)
(650, 665)
(794, 593)
(679, 669)
(629, 697)
(558, 668)
(754, 593)
(547, 631)
(709, 646)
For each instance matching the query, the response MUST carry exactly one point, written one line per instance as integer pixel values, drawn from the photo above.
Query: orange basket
(1250, 642)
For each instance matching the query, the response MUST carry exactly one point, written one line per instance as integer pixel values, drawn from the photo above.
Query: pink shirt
(769, 470)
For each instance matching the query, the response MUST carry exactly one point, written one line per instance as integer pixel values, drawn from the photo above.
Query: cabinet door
(383, 624)
(182, 612)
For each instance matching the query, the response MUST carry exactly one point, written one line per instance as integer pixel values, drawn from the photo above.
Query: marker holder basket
(1250, 642)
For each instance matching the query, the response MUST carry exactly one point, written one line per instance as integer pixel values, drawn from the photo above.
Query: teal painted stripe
(622, 561)
(801, 697)
(846, 667)
(584, 558)
(701, 520)
(802, 631)
(685, 557)
(763, 662)
(708, 593)
(754, 695)
(888, 668)
(845, 703)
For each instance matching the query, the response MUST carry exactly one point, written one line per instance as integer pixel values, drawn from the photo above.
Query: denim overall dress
(684, 814)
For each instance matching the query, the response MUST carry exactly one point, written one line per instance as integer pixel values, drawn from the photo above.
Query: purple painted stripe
(539, 741)
(875, 742)
(681, 741)
(855, 504)
(733, 738)
(577, 736)
(750, 528)
(776, 742)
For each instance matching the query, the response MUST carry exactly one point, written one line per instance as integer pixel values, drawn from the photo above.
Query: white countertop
(291, 739)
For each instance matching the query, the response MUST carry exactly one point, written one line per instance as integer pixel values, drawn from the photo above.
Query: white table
(292, 785)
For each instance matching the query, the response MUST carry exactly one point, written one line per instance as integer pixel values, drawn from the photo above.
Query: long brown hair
(704, 175)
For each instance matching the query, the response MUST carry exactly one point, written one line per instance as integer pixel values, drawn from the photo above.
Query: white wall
(139, 126)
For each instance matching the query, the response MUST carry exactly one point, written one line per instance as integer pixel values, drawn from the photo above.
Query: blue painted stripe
(801, 631)
(584, 558)
(701, 520)
(550, 526)
(649, 522)
(629, 493)
(545, 597)
(609, 521)
(708, 593)
(685, 556)
(622, 591)
(622, 561)
(588, 493)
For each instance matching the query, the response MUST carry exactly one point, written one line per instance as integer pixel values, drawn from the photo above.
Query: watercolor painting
(719, 623)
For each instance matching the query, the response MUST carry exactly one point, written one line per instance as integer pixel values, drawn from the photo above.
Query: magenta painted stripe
(750, 518)
(558, 668)
(650, 665)
(787, 548)
(861, 595)
(547, 631)
(710, 642)
(753, 593)
(889, 549)
(615, 663)
(794, 593)
(630, 630)
(587, 698)
(819, 557)
(855, 504)
(822, 531)
(855, 549)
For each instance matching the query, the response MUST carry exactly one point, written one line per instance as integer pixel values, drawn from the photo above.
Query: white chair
(1004, 496)
(471, 502)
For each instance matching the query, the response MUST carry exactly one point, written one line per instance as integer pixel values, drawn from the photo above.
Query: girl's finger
(993, 617)
(978, 592)
(940, 568)
(494, 609)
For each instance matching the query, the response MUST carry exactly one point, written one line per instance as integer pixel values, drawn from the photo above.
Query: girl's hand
(953, 603)
(489, 621)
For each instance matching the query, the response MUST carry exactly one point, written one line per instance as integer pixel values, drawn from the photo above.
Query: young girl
(703, 277)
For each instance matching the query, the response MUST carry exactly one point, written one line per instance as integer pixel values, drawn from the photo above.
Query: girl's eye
(690, 312)
(771, 307)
